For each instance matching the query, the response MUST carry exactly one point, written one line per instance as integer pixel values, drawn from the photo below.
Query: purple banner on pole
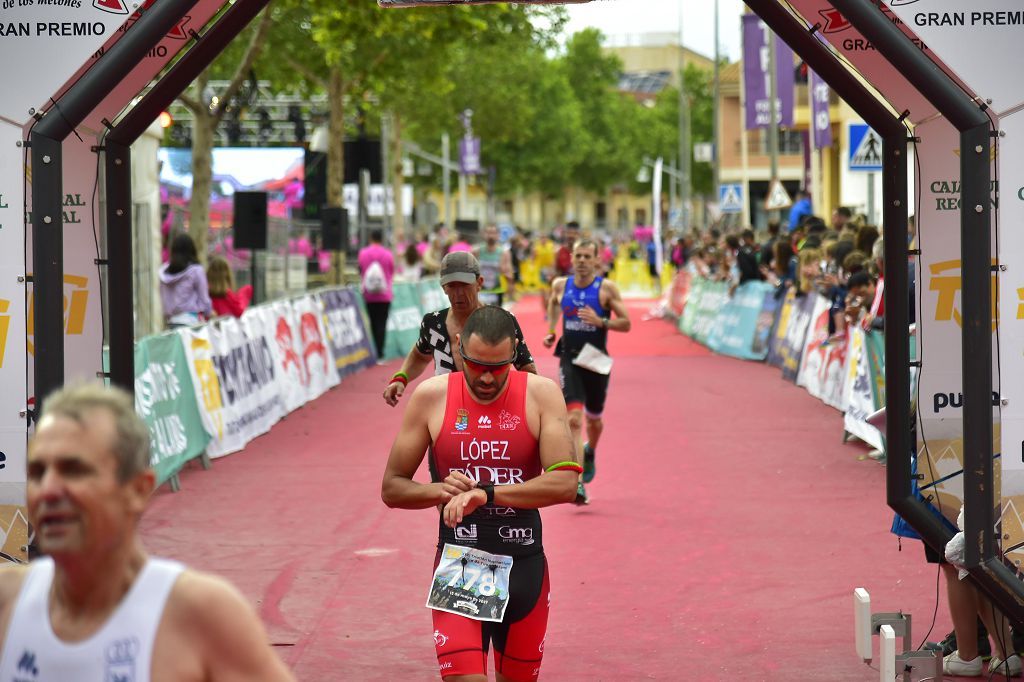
(469, 155)
(755, 76)
(822, 123)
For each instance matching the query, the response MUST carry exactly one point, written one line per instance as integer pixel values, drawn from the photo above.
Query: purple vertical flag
(755, 76)
(469, 155)
(818, 92)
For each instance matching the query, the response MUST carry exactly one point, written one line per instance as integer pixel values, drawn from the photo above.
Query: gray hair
(131, 446)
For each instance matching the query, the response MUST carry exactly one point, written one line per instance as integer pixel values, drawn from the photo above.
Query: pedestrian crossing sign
(730, 198)
(865, 148)
(778, 198)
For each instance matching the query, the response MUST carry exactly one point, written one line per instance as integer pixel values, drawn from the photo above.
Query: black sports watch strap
(488, 489)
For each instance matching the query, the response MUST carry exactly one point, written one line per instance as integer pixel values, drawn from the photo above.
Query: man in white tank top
(97, 608)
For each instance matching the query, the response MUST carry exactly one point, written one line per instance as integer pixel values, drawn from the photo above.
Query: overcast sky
(620, 17)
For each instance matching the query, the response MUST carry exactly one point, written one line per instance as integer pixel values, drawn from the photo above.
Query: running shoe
(589, 468)
(1011, 667)
(581, 495)
(954, 665)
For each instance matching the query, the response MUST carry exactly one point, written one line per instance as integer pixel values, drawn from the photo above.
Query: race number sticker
(471, 583)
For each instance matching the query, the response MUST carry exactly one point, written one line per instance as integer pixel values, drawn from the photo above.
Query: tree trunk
(397, 178)
(336, 140)
(203, 129)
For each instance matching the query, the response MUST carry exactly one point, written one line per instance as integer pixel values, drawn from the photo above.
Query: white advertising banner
(823, 364)
(82, 219)
(1011, 290)
(234, 373)
(978, 40)
(304, 360)
(940, 404)
(1011, 331)
(313, 347)
(44, 44)
(859, 401)
(13, 424)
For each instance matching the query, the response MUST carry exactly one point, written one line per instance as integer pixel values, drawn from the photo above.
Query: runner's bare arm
(619, 323)
(413, 365)
(223, 628)
(556, 445)
(398, 490)
(557, 289)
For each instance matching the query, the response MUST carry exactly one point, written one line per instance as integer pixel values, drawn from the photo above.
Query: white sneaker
(1011, 667)
(954, 665)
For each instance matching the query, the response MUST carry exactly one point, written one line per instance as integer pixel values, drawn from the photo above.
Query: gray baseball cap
(459, 266)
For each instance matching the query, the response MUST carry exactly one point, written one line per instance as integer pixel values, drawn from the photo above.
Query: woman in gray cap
(461, 282)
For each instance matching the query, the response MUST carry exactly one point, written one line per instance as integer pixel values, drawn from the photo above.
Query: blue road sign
(865, 148)
(730, 198)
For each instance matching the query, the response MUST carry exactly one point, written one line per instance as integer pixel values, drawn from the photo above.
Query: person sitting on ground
(221, 281)
(96, 606)
(183, 290)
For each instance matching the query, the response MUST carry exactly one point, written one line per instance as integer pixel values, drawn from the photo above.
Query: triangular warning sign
(112, 6)
(868, 152)
(777, 197)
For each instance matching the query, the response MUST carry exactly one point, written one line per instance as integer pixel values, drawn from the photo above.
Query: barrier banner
(166, 401)
(861, 396)
(311, 340)
(678, 293)
(766, 323)
(734, 331)
(235, 376)
(716, 295)
(432, 297)
(346, 331)
(791, 346)
(822, 368)
(403, 320)
(275, 321)
(780, 328)
(687, 320)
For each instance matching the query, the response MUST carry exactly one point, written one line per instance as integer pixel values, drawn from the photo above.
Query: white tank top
(120, 651)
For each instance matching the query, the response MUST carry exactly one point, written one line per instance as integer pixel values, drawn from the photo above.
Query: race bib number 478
(472, 583)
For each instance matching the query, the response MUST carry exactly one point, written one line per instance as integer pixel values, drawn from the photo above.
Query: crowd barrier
(210, 389)
(756, 322)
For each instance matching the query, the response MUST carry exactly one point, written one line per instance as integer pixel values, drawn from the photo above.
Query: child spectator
(221, 281)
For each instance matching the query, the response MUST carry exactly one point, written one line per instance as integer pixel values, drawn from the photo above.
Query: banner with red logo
(303, 355)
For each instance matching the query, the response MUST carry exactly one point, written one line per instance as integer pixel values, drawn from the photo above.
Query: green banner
(874, 346)
(688, 320)
(403, 320)
(166, 401)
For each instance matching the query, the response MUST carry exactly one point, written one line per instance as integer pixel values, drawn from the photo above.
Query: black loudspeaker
(315, 195)
(334, 226)
(363, 154)
(250, 220)
(467, 227)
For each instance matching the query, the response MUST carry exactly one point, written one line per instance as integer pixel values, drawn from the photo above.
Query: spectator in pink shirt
(377, 273)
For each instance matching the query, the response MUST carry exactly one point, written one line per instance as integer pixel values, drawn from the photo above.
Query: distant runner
(500, 448)
(587, 303)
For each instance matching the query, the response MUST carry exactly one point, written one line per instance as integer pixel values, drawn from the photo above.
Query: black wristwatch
(488, 489)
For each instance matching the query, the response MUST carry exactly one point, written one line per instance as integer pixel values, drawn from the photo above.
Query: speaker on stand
(334, 235)
(250, 229)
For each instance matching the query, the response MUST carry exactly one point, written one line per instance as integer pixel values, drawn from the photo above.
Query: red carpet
(728, 528)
